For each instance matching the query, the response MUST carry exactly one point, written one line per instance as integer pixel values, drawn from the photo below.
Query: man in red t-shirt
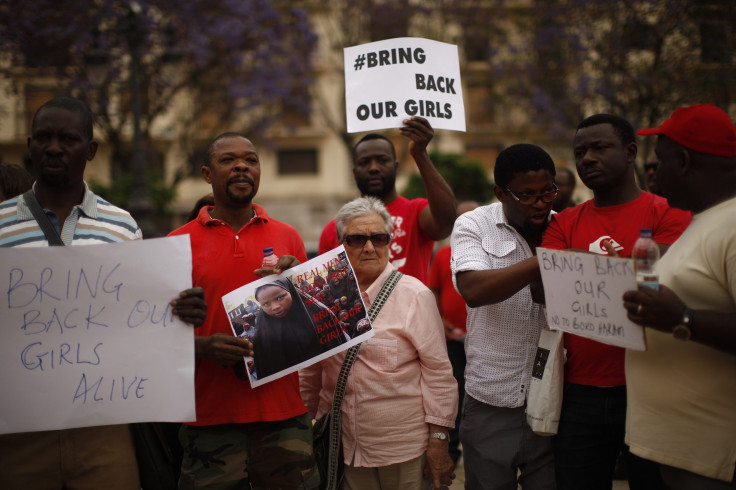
(591, 431)
(454, 313)
(417, 222)
(243, 436)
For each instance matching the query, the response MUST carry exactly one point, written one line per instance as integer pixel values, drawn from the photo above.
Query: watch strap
(682, 330)
(443, 436)
(687, 316)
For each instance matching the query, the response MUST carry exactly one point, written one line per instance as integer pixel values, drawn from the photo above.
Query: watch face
(681, 332)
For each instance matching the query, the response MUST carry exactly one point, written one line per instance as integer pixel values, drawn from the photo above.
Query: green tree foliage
(119, 191)
(467, 178)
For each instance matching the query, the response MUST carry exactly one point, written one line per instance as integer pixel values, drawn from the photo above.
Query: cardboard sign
(87, 336)
(392, 80)
(308, 313)
(584, 296)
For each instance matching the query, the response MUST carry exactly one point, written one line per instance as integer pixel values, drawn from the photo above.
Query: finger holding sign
(608, 247)
(190, 306)
(222, 348)
(419, 131)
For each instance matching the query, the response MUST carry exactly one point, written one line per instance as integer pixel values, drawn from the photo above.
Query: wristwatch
(682, 330)
(442, 436)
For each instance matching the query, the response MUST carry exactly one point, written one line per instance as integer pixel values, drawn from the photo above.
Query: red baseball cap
(704, 128)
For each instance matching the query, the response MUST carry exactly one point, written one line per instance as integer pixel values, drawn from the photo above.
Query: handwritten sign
(308, 313)
(392, 80)
(88, 337)
(584, 296)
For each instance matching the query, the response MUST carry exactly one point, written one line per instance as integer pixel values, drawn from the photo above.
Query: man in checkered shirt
(496, 272)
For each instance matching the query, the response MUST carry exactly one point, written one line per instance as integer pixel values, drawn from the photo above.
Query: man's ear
(500, 195)
(632, 150)
(206, 173)
(92, 151)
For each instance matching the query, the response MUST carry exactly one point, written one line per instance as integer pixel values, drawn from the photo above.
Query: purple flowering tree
(233, 64)
(637, 58)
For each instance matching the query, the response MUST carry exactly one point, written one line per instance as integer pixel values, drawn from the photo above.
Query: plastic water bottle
(269, 258)
(645, 255)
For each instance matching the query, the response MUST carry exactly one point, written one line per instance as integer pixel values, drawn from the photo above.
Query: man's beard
(388, 183)
(240, 198)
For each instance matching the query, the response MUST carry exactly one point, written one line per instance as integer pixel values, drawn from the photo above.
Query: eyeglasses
(530, 199)
(358, 241)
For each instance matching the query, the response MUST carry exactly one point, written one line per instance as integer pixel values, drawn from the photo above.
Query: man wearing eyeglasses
(495, 270)
(591, 431)
(417, 222)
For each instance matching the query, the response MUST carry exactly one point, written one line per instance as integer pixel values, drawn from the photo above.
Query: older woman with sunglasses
(400, 397)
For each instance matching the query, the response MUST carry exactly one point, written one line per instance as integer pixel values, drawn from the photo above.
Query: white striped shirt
(93, 221)
(502, 338)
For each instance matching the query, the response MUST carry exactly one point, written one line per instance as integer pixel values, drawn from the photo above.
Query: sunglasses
(358, 241)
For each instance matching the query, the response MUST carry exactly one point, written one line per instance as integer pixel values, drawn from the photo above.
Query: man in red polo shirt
(242, 436)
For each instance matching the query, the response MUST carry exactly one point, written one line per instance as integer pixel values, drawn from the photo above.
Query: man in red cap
(682, 395)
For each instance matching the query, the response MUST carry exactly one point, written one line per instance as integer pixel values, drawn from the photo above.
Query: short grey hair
(357, 208)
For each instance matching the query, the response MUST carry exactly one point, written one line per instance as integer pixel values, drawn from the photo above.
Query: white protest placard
(307, 313)
(87, 336)
(392, 80)
(584, 296)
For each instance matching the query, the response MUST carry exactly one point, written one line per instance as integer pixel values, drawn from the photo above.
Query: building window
(297, 108)
(195, 161)
(35, 97)
(477, 43)
(389, 19)
(714, 42)
(477, 22)
(297, 162)
(479, 110)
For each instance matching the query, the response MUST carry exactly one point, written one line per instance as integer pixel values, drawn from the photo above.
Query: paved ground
(459, 482)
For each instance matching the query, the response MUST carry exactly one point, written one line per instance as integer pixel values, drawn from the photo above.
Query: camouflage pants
(259, 455)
